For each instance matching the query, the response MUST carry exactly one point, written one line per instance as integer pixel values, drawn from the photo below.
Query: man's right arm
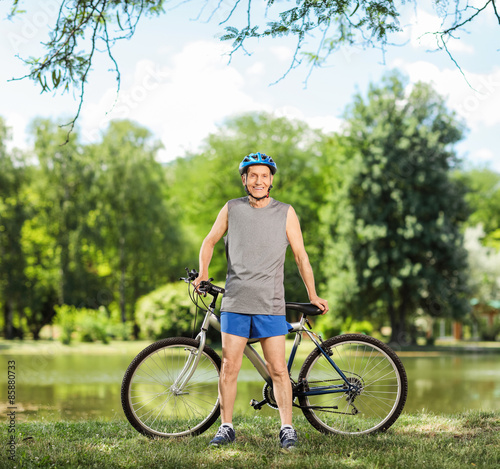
(207, 247)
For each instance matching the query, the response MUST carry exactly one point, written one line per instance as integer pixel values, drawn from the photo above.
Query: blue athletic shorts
(253, 326)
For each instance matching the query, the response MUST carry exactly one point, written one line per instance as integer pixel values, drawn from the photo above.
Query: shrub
(359, 327)
(87, 325)
(165, 312)
(329, 326)
(65, 319)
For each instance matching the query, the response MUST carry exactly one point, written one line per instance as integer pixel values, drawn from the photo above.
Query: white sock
(286, 426)
(228, 425)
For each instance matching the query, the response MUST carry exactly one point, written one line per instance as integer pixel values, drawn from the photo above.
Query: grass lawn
(466, 440)
(422, 440)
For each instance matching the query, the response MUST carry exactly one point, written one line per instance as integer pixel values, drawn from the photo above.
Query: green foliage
(488, 327)
(361, 327)
(84, 226)
(13, 214)
(89, 325)
(405, 241)
(484, 266)
(330, 327)
(103, 225)
(483, 198)
(136, 224)
(165, 312)
(340, 22)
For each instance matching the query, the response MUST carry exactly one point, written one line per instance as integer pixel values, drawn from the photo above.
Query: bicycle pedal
(256, 404)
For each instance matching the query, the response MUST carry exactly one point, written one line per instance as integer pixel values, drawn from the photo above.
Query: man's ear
(244, 178)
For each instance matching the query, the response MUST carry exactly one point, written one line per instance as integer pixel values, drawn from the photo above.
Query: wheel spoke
(378, 386)
(151, 403)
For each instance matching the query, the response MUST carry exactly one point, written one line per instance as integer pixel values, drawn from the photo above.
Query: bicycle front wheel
(152, 400)
(380, 381)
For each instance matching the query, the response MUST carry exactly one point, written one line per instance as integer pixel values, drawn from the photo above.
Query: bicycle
(348, 384)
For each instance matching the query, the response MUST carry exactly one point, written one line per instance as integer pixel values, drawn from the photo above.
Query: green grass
(470, 439)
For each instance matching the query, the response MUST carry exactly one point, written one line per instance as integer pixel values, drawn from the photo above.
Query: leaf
(118, 21)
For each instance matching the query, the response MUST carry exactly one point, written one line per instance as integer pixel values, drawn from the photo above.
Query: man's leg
(232, 356)
(274, 353)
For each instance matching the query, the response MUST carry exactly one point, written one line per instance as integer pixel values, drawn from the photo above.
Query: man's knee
(278, 371)
(230, 368)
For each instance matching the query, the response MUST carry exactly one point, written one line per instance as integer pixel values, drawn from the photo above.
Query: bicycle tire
(150, 404)
(366, 362)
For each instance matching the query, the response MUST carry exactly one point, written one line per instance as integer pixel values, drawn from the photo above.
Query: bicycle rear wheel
(368, 363)
(150, 400)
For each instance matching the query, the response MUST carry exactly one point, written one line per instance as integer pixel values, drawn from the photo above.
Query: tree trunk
(122, 280)
(8, 314)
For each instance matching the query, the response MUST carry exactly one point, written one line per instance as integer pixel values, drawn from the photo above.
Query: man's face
(258, 179)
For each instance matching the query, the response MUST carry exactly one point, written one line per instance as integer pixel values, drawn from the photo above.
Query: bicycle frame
(211, 319)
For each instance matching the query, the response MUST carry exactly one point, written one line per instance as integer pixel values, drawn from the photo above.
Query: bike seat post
(296, 343)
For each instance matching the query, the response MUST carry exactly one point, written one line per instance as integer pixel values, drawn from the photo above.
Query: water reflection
(76, 387)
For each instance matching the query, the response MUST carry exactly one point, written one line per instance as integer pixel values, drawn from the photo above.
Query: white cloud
(282, 53)
(18, 136)
(181, 103)
(324, 123)
(477, 101)
(421, 27)
(185, 101)
(485, 157)
(258, 68)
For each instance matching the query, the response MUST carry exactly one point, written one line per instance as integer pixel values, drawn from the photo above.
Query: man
(259, 230)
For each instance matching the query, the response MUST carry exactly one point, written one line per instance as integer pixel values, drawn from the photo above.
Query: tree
(484, 275)
(56, 238)
(64, 179)
(484, 265)
(138, 230)
(13, 214)
(86, 26)
(405, 241)
(484, 200)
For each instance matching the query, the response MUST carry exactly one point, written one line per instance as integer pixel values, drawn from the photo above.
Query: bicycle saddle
(305, 308)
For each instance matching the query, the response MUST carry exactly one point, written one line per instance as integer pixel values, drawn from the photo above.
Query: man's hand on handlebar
(199, 282)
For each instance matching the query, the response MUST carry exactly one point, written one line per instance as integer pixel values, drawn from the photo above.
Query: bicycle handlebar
(206, 286)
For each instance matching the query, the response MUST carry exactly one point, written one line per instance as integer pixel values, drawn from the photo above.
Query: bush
(359, 327)
(487, 331)
(165, 312)
(92, 325)
(329, 326)
(65, 319)
(87, 325)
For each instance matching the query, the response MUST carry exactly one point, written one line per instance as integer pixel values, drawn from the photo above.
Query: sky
(178, 81)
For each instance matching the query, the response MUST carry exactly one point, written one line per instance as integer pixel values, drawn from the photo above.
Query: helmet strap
(258, 198)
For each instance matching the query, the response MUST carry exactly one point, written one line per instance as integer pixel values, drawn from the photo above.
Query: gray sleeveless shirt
(256, 244)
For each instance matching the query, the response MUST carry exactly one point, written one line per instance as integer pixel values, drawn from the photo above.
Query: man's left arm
(294, 235)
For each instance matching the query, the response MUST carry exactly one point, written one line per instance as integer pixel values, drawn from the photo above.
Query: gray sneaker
(224, 435)
(288, 438)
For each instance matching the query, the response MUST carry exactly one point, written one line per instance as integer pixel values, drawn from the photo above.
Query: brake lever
(201, 287)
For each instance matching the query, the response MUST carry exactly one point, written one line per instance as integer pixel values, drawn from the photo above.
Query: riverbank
(469, 439)
(51, 347)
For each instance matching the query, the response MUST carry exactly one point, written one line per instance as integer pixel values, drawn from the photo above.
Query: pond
(87, 386)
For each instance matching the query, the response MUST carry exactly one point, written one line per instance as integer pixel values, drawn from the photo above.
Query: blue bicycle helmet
(258, 158)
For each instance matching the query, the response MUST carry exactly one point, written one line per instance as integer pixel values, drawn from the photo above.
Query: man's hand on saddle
(320, 303)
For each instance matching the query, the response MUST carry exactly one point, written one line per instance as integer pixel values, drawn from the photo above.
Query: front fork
(195, 354)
